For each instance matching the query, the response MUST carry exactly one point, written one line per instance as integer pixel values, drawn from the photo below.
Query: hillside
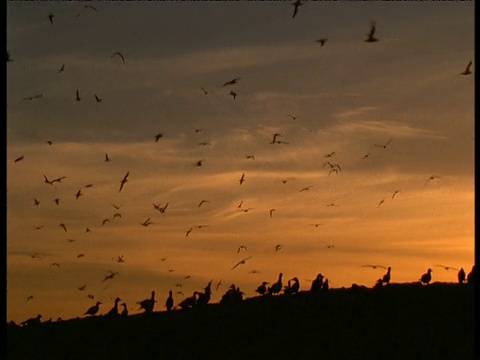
(399, 321)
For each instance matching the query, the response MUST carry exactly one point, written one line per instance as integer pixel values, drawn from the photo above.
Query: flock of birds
(234, 294)
(199, 298)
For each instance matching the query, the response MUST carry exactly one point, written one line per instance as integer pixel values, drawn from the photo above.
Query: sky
(373, 164)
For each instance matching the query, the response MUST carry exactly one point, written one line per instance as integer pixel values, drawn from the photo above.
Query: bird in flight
(116, 206)
(294, 117)
(87, 7)
(158, 137)
(467, 69)
(275, 138)
(55, 264)
(110, 276)
(381, 202)
(384, 145)
(50, 17)
(233, 94)
(62, 225)
(49, 142)
(120, 55)
(97, 99)
(316, 224)
(446, 267)
(375, 266)
(271, 212)
(62, 69)
(196, 130)
(306, 188)
(8, 57)
(78, 194)
(80, 256)
(330, 154)
(82, 288)
(370, 35)
(231, 82)
(36, 202)
(105, 221)
(124, 180)
(432, 177)
(78, 96)
(242, 179)
(116, 215)
(296, 5)
(242, 247)
(38, 96)
(284, 181)
(241, 262)
(107, 159)
(366, 155)
(204, 91)
(161, 208)
(199, 163)
(278, 248)
(250, 157)
(146, 222)
(120, 259)
(322, 41)
(202, 202)
(20, 158)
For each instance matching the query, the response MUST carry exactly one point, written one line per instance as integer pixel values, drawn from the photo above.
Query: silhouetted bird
(107, 159)
(262, 289)
(293, 288)
(97, 99)
(446, 267)
(277, 286)
(233, 94)
(317, 283)
(370, 35)
(63, 226)
(322, 41)
(204, 298)
(110, 276)
(20, 158)
(432, 177)
(62, 69)
(38, 96)
(231, 82)
(32, 321)
(114, 310)
(124, 180)
(50, 17)
(202, 202)
(471, 276)
(120, 55)
(169, 302)
(386, 277)
(461, 276)
(158, 137)
(241, 262)
(189, 302)
(78, 96)
(384, 145)
(427, 277)
(93, 310)
(148, 304)
(125, 310)
(232, 296)
(325, 285)
(296, 5)
(467, 69)
(271, 212)
(242, 179)
(36, 202)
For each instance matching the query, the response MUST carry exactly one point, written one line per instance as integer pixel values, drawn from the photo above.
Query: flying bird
(63, 226)
(199, 163)
(55, 264)
(278, 247)
(107, 159)
(49, 142)
(80, 256)
(296, 5)
(78, 194)
(284, 181)
(432, 177)
(395, 193)
(330, 154)
(384, 145)
(322, 41)
(233, 94)
(124, 180)
(120, 259)
(62, 69)
(202, 202)
(110, 276)
(20, 158)
(120, 55)
(241, 262)
(38, 96)
(50, 17)
(271, 212)
(116, 215)
(446, 267)
(204, 91)
(381, 202)
(158, 137)
(375, 266)
(231, 82)
(29, 298)
(97, 99)
(467, 69)
(294, 117)
(366, 155)
(306, 188)
(242, 247)
(275, 138)
(36, 202)
(146, 222)
(105, 221)
(242, 179)
(57, 201)
(82, 288)
(370, 35)
(87, 7)
(250, 157)
(78, 96)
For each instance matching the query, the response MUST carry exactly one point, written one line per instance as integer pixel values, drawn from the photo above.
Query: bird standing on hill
(277, 286)
(461, 276)
(262, 289)
(125, 310)
(93, 310)
(114, 310)
(169, 302)
(427, 277)
(471, 276)
(386, 277)
(148, 304)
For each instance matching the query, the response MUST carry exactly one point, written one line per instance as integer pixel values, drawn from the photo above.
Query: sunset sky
(394, 115)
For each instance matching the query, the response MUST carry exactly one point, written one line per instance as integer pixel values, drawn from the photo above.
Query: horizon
(374, 163)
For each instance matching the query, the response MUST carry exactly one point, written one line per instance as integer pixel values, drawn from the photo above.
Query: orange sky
(348, 98)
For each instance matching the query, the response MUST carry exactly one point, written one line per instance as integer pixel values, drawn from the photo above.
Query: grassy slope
(406, 321)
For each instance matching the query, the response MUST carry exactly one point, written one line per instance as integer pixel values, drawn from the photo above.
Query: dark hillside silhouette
(394, 321)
